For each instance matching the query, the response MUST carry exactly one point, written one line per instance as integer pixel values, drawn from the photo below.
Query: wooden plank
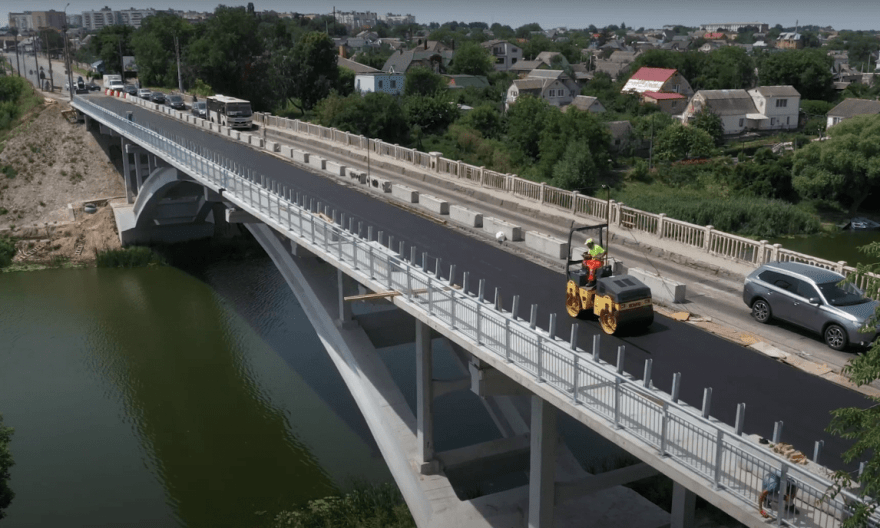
(368, 296)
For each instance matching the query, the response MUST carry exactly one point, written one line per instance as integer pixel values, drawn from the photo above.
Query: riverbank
(51, 169)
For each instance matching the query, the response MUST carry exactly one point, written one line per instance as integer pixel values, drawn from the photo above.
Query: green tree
(423, 81)
(711, 123)
(525, 122)
(484, 118)
(472, 59)
(431, 113)
(313, 69)
(576, 169)
(679, 142)
(727, 68)
(846, 167)
(6, 462)
(153, 45)
(862, 425)
(525, 31)
(375, 115)
(808, 70)
(561, 129)
(109, 42)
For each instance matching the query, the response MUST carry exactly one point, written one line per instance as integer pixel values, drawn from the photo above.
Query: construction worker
(771, 486)
(593, 259)
(596, 251)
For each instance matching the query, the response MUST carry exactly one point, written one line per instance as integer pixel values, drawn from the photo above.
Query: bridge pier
(346, 286)
(126, 172)
(683, 504)
(542, 471)
(428, 464)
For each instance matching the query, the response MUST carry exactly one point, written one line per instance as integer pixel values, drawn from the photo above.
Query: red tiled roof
(713, 36)
(653, 74)
(660, 96)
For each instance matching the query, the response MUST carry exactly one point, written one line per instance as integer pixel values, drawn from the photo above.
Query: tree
(727, 68)
(862, 425)
(562, 128)
(374, 115)
(314, 69)
(525, 122)
(6, 462)
(422, 81)
(711, 123)
(472, 59)
(576, 169)
(153, 45)
(679, 142)
(485, 119)
(431, 113)
(845, 167)
(109, 42)
(525, 31)
(808, 70)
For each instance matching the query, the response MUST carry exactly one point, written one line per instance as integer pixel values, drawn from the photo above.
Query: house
(585, 103)
(621, 134)
(554, 86)
(670, 103)
(657, 80)
(713, 36)
(387, 82)
(356, 67)
(505, 53)
(764, 108)
(781, 104)
(790, 41)
(523, 68)
(466, 81)
(548, 58)
(736, 108)
(851, 108)
(401, 61)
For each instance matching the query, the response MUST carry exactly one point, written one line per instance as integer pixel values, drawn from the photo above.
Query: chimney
(342, 51)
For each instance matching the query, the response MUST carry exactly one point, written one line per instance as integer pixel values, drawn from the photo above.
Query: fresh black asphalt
(771, 390)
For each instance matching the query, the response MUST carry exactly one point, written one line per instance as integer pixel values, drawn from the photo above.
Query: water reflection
(142, 396)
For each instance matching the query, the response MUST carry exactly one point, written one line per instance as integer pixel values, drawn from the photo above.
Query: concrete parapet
(272, 146)
(546, 244)
(465, 216)
(235, 134)
(379, 183)
(300, 156)
(255, 140)
(336, 169)
(361, 177)
(662, 289)
(318, 162)
(407, 194)
(434, 204)
(287, 151)
(494, 225)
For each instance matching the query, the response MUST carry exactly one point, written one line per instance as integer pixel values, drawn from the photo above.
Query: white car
(144, 93)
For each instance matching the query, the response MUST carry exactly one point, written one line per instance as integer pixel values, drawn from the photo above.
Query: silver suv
(813, 298)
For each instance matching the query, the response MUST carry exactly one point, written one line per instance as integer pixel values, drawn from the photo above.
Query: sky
(841, 14)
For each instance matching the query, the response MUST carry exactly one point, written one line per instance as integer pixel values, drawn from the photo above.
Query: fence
(716, 243)
(728, 463)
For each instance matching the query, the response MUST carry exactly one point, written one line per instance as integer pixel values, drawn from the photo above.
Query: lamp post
(67, 62)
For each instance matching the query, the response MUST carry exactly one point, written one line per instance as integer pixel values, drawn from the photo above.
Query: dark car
(200, 109)
(175, 101)
(814, 298)
(157, 97)
(93, 87)
(130, 89)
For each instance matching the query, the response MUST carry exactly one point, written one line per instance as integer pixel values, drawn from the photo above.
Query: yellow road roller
(620, 302)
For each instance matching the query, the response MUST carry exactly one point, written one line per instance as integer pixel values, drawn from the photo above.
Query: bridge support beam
(542, 471)
(126, 172)
(345, 286)
(428, 464)
(683, 504)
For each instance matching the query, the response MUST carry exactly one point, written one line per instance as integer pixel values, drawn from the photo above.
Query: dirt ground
(50, 169)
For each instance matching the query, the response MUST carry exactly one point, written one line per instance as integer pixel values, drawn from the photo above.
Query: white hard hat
(588, 241)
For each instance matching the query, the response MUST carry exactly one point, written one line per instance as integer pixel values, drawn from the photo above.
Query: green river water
(839, 246)
(149, 397)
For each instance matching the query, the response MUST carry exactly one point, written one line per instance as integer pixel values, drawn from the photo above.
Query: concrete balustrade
(434, 204)
(546, 244)
(495, 225)
(463, 215)
(402, 192)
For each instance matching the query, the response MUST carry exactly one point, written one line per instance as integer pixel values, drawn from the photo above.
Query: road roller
(620, 302)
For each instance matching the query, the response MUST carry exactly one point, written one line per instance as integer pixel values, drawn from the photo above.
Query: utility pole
(121, 61)
(68, 63)
(179, 78)
(36, 62)
(17, 64)
(49, 58)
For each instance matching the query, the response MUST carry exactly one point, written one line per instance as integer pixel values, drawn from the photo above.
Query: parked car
(130, 89)
(200, 109)
(144, 93)
(814, 298)
(93, 87)
(175, 101)
(157, 97)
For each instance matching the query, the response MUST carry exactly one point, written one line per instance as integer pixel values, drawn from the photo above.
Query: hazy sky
(841, 14)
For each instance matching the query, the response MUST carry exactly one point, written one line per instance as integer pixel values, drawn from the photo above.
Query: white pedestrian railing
(730, 464)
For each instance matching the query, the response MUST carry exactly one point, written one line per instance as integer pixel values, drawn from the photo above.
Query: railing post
(507, 340)
(664, 429)
(762, 253)
(707, 402)
(370, 256)
(430, 298)
(539, 375)
(661, 218)
(514, 308)
(617, 403)
(840, 265)
(719, 454)
(574, 382)
(574, 337)
(533, 317)
(552, 329)
(574, 199)
(777, 432)
(780, 493)
(707, 238)
(646, 379)
(740, 418)
(621, 351)
(541, 192)
(481, 290)
(596, 340)
(817, 449)
(676, 386)
(409, 288)
(479, 330)
(451, 309)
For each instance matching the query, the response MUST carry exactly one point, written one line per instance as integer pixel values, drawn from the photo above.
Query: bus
(229, 111)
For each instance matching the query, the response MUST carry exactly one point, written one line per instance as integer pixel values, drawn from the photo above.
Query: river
(842, 245)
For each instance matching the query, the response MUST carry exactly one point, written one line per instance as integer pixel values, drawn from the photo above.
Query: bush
(7, 251)
(365, 506)
(133, 257)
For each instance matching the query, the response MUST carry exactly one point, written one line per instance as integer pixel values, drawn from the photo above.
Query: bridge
(335, 263)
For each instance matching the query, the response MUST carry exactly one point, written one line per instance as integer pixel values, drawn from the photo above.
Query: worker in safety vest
(595, 251)
(593, 258)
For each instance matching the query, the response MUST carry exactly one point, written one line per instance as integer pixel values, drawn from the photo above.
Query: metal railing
(730, 464)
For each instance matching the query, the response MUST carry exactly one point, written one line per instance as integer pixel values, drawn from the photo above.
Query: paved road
(29, 67)
(771, 390)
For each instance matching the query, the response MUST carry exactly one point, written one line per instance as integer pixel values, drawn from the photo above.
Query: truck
(114, 82)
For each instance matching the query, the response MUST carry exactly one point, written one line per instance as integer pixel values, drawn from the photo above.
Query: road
(771, 390)
(28, 68)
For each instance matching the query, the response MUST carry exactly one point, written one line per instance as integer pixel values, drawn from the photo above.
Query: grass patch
(132, 257)
(366, 506)
(9, 171)
(7, 250)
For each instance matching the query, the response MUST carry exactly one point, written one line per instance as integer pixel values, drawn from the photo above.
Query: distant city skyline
(842, 14)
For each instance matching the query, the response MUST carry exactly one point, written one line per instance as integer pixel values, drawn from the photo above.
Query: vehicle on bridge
(814, 298)
(230, 112)
(620, 302)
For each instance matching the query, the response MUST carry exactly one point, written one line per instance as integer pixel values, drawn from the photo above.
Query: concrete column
(425, 399)
(542, 471)
(344, 307)
(139, 169)
(683, 503)
(126, 173)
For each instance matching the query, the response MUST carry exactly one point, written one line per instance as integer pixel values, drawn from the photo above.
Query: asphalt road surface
(771, 390)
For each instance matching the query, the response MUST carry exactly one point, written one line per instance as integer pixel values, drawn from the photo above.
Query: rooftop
(660, 96)
(653, 74)
(854, 107)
